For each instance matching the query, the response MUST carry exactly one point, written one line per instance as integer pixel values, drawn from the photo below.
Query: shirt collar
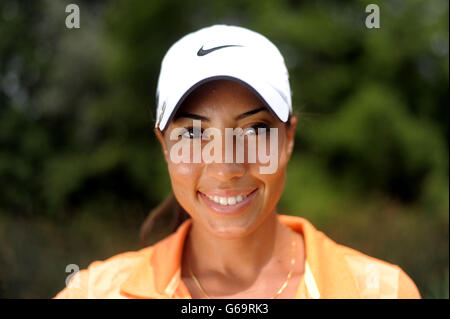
(158, 272)
(329, 270)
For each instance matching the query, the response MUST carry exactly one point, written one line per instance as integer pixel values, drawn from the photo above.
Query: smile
(228, 202)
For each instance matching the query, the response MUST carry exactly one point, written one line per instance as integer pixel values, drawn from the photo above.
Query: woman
(224, 102)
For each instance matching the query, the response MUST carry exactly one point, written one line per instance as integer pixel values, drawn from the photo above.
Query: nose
(225, 171)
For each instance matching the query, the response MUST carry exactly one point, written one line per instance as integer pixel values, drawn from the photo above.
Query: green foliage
(378, 145)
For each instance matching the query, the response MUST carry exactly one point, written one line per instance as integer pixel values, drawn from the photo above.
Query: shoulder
(341, 270)
(103, 278)
(376, 278)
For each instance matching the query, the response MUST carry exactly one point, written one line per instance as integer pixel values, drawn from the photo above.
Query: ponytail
(169, 210)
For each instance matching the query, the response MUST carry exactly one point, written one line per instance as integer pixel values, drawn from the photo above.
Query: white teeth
(227, 200)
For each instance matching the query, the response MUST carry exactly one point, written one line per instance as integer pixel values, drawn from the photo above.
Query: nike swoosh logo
(202, 52)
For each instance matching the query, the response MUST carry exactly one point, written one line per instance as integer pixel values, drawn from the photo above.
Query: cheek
(275, 181)
(184, 174)
(184, 179)
(274, 184)
(275, 155)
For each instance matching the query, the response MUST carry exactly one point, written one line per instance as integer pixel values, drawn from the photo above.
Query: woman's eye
(256, 129)
(191, 133)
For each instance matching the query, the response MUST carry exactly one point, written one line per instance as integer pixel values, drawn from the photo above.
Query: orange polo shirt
(331, 271)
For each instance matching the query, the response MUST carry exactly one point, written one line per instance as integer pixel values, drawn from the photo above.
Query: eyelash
(256, 126)
(190, 131)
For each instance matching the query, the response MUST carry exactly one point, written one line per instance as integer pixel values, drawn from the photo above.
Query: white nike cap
(223, 52)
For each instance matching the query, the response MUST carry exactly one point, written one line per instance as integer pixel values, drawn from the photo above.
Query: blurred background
(80, 167)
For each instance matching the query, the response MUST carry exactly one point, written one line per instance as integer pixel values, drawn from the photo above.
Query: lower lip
(229, 210)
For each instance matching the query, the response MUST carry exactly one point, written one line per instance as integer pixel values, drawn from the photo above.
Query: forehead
(219, 97)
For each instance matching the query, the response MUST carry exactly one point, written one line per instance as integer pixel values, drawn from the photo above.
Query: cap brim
(268, 94)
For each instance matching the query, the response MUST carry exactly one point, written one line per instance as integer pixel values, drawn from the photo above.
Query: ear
(162, 141)
(290, 135)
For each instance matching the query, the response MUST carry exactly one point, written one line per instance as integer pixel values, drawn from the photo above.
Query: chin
(231, 229)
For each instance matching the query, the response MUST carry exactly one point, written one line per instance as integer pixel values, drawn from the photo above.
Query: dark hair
(170, 210)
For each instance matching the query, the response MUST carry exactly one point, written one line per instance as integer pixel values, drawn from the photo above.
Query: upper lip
(227, 192)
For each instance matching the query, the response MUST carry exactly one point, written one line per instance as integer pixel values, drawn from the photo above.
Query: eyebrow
(192, 116)
(203, 118)
(244, 115)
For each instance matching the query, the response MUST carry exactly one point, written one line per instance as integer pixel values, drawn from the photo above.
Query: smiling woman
(232, 204)
(225, 90)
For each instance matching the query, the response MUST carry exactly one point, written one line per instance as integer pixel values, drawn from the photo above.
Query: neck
(238, 258)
